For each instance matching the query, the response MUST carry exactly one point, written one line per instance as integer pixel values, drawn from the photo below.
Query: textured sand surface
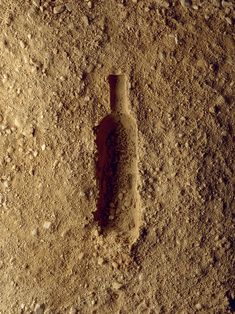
(55, 57)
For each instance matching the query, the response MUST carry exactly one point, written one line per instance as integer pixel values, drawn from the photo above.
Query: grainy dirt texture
(55, 58)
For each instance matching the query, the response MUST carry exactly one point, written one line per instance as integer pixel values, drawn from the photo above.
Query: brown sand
(178, 57)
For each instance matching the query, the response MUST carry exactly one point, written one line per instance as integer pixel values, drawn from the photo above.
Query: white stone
(47, 225)
(73, 310)
(80, 255)
(35, 153)
(198, 306)
(69, 7)
(116, 285)
(34, 232)
(185, 3)
(59, 9)
(228, 20)
(39, 309)
(37, 3)
(22, 44)
(85, 20)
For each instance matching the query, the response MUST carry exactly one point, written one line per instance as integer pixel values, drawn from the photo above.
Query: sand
(169, 247)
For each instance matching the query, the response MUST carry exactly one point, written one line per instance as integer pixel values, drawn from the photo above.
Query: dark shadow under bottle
(107, 167)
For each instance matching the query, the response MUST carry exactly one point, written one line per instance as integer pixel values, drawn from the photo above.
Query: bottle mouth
(118, 98)
(116, 78)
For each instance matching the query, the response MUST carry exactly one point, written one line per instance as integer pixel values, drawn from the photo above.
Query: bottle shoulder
(122, 116)
(114, 120)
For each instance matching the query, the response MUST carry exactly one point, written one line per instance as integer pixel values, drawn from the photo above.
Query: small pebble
(185, 3)
(116, 285)
(73, 310)
(35, 153)
(161, 56)
(1, 264)
(114, 265)
(141, 276)
(47, 225)
(176, 39)
(165, 4)
(212, 109)
(228, 20)
(8, 159)
(34, 232)
(37, 3)
(5, 184)
(226, 4)
(80, 256)
(220, 100)
(69, 7)
(85, 20)
(59, 9)
(93, 302)
(39, 309)
(198, 306)
(89, 4)
(43, 147)
(5, 78)
(195, 7)
(100, 261)
(22, 44)
(120, 196)
(22, 306)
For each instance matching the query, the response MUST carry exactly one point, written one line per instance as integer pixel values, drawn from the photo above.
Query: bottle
(118, 207)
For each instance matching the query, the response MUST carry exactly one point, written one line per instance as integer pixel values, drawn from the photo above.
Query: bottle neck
(118, 93)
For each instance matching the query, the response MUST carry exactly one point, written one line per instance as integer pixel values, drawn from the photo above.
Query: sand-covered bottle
(118, 205)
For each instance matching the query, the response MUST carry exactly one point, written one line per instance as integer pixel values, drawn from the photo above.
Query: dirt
(178, 57)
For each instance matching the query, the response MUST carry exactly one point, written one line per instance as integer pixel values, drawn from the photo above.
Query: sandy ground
(55, 58)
